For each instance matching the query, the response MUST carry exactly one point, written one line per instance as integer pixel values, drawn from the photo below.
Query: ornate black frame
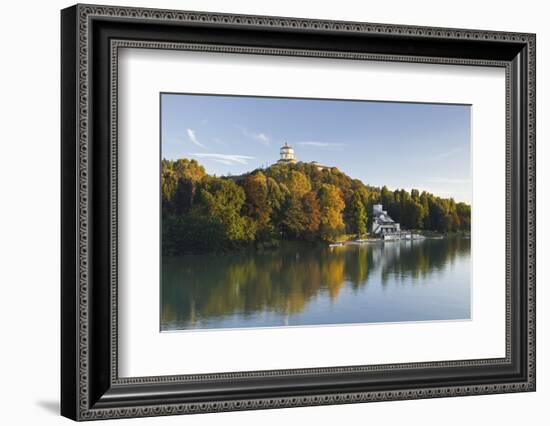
(91, 37)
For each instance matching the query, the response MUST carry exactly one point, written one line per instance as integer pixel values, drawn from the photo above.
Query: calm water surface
(301, 284)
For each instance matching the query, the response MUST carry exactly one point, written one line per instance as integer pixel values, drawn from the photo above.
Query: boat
(392, 237)
(418, 237)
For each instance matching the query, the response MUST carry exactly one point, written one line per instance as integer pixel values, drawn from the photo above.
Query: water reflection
(302, 284)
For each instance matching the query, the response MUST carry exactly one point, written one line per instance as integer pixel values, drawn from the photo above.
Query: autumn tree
(190, 169)
(332, 205)
(178, 182)
(312, 213)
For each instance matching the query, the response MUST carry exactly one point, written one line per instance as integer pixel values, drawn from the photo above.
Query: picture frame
(91, 387)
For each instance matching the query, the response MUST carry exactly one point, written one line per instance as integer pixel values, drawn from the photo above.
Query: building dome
(287, 154)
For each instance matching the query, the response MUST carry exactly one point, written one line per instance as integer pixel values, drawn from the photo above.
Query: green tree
(298, 183)
(276, 196)
(257, 205)
(169, 182)
(221, 200)
(463, 211)
(294, 221)
(358, 216)
(182, 200)
(386, 196)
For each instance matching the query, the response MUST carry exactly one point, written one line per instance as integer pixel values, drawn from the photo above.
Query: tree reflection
(197, 290)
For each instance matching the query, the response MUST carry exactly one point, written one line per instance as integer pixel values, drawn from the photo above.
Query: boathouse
(382, 223)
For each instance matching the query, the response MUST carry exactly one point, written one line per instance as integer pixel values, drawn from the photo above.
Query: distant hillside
(203, 213)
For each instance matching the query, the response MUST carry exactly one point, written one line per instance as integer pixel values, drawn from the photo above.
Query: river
(300, 284)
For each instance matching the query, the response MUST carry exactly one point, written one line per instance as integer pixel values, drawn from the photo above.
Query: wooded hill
(203, 213)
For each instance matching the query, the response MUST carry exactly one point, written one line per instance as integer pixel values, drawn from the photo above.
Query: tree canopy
(202, 213)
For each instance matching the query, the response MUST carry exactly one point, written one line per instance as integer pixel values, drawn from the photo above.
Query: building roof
(383, 217)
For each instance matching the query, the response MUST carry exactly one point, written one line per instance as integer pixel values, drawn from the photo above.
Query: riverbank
(408, 235)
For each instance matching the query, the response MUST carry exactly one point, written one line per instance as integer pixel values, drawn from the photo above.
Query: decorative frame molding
(91, 388)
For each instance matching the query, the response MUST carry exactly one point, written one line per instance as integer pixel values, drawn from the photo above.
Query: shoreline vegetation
(296, 202)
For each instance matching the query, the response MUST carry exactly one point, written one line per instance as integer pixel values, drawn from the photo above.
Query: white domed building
(287, 154)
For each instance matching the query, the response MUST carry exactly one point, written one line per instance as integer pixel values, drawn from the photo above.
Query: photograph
(264, 209)
(285, 212)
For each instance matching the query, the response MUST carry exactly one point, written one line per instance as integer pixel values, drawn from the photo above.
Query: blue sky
(401, 145)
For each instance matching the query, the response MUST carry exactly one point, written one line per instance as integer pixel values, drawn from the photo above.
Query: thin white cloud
(193, 138)
(322, 145)
(226, 162)
(261, 137)
(228, 159)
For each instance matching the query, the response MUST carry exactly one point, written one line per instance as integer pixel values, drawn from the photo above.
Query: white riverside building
(288, 156)
(382, 223)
